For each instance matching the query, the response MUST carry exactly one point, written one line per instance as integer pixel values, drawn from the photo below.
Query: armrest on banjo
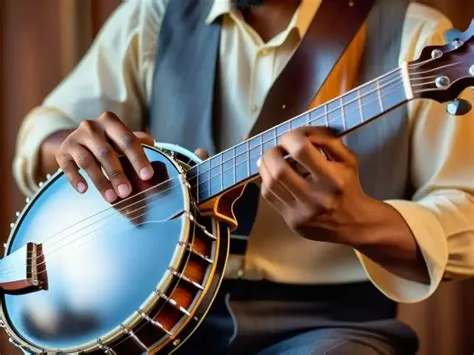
(23, 271)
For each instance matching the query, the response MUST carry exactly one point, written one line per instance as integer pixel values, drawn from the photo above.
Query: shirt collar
(300, 20)
(219, 8)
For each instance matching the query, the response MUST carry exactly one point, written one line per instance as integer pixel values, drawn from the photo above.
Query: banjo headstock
(441, 73)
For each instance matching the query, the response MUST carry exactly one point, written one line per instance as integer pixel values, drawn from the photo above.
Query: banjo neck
(440, 73)
(238, 164)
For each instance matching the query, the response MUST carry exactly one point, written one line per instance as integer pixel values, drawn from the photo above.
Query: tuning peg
(458, 107)
(12, 225)
(17, 214)
(48, 176)
(27, 200)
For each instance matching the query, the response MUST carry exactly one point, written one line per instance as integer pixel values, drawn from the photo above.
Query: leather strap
(329, 34)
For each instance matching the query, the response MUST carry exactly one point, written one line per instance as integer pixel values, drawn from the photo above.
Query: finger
(332, 145)
(272, 188)
(71, 171)
(144, 138)
(336, 150)
(279, 172)
(301, 149)
(87, 162)
(272, 199)
(129, 144)
(108, 159)
(201, 153)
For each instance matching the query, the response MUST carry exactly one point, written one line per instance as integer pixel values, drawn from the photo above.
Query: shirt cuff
(38, 125)
(431, 239)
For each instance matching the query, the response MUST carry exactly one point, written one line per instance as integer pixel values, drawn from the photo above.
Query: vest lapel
(184, 77)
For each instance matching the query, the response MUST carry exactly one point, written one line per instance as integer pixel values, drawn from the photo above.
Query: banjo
(84, 276)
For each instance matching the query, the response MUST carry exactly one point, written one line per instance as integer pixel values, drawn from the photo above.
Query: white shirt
(116, 75)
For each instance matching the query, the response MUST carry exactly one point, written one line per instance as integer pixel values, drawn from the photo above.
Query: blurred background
(41, 41)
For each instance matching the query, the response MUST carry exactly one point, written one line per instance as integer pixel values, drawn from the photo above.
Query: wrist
(387, 240)
(47, 154)
(379, 225)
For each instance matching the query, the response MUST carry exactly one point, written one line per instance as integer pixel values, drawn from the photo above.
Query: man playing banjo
(378, 218)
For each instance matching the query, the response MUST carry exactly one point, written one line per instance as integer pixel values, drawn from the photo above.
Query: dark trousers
(264, 318)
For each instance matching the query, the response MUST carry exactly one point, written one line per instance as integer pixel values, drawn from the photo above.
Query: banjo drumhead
(103, 263)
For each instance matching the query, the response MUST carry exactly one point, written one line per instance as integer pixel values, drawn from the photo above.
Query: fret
(240, 162)
(198, 182)
(344, 127)
(204, 171)
(248, 158)
(222, 176)
(379, 95)
(351, 110)
(233, 165)
(253, 165)
(326, 118)
(215, 174)
(359, 103)
(254, 153)
(268, 138)
(334, 116)
(227, 167)
(369, 101)
(215, 180)
(317, 116)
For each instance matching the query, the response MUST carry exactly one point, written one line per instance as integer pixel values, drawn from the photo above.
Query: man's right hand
(97, 144)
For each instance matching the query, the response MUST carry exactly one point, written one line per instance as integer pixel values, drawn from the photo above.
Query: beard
(246, 4)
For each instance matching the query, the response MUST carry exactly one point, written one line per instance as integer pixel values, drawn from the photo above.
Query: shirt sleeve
(441, 211)
(114, 75)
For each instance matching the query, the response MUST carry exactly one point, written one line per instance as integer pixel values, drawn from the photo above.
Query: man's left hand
(327, 204)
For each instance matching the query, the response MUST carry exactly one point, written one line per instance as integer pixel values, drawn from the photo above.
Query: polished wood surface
(31, 65)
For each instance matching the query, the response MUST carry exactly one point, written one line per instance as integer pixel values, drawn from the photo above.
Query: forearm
(46, 157)
(387, 240)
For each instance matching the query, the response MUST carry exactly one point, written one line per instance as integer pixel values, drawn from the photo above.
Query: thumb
(201, 153)
(144, 138)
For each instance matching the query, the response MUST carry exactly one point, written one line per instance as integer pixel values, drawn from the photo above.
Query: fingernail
(110, 195)
(123, 190)
(259, 160)
(81, 187)
(146, 173)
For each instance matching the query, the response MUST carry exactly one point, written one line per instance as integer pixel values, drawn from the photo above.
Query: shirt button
(253, 108)
(240, 273)
(264, 52)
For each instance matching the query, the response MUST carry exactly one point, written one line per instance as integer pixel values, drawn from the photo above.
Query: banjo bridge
(24, 270)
